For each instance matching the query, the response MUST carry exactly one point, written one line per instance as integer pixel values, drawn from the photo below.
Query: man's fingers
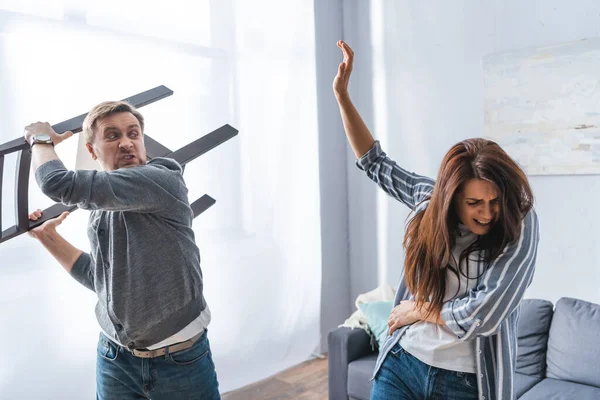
(35, 215)
(62, 217)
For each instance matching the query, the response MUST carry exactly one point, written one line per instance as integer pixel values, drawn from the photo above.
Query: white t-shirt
(188, 332)
(435, 344)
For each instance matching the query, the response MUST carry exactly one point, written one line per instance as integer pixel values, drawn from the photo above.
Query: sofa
(558, 354)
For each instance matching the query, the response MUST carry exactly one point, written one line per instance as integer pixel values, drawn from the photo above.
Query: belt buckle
(143, 353)
(161, 351)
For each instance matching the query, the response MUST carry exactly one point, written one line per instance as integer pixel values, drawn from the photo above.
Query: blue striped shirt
(489, 314)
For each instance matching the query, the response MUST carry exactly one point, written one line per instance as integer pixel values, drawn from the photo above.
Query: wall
(422, 64)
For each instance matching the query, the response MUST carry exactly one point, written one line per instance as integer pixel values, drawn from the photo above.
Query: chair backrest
(154, 149)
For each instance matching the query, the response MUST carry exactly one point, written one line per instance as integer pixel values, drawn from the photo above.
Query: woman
(470, 246)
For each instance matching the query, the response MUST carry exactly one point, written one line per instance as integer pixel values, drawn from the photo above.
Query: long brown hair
(431, 233)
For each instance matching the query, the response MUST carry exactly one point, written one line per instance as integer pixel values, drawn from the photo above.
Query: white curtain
(249, 64)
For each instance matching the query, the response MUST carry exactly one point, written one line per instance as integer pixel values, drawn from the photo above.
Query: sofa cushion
(378, 314)
(573, 350)
(552, 389)
(532, 333)
(524, 382)
(359, 377)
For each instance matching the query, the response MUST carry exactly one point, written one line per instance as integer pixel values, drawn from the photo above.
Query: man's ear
(91, 151)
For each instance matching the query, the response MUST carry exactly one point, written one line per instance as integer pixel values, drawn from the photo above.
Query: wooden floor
(307, 381)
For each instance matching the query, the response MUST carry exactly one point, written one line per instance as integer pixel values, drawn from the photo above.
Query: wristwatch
(41, 139)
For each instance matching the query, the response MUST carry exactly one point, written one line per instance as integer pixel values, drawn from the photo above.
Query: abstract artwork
(542, 106)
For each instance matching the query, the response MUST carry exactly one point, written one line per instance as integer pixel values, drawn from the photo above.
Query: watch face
(42, 139)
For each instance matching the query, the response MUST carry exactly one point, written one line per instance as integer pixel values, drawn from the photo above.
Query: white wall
(423, 61)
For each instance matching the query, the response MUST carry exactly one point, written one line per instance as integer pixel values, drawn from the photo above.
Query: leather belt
(167, 349)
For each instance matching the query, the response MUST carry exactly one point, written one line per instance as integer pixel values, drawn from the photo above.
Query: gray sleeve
(82, 271)
(149, 188)
(406, 187)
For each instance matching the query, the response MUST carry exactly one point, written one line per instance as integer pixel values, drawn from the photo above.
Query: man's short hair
(105, 109)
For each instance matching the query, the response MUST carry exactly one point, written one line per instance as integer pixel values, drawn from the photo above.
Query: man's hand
(37, 214)
(403, 314)
(64, 252)
(44, 128)
(47, 227)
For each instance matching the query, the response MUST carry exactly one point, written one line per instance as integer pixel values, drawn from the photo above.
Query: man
(143, 265)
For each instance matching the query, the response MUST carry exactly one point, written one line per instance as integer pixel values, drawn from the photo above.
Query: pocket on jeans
(397, 350)
(192, 355)
(107, 349)
(468, 380)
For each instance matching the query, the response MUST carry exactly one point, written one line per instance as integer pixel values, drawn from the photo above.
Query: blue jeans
(187, 374)
(403, 376)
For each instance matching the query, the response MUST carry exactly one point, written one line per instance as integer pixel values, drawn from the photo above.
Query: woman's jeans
(403, 376)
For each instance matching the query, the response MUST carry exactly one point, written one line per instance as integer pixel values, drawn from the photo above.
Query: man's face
(118, 142)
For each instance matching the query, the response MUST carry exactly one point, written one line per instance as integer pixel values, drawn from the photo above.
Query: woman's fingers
(348, 58)
(348, 52)
(341, 69)
(392, 329)
(340, 84)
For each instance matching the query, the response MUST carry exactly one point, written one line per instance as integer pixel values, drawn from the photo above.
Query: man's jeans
(403, 376)
(187, 374)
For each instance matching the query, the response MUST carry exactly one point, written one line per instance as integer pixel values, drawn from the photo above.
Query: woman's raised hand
(340, 82)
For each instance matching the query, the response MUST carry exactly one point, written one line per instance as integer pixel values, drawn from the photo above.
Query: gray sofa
(558, 354)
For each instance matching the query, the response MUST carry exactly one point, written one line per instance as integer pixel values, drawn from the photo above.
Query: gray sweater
(144, 264)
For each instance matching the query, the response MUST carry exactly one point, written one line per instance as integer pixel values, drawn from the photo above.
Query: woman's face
(478, 206)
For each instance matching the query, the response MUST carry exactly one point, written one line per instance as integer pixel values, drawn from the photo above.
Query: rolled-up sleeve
(82, 271)
(501, 288)
(406, 187)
